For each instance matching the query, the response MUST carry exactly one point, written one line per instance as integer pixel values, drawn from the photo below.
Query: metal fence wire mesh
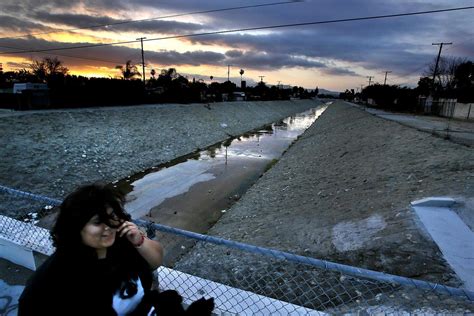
(270, 283)
(22, 215)
(250, 280)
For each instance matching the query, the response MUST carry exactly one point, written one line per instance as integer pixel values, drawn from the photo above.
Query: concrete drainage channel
(192, 192)
(222, 171)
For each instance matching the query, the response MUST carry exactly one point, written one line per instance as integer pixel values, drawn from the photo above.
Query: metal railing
(247, 279)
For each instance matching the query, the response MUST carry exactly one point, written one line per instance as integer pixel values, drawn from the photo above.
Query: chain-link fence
(250, 280)
(22, 217)
(439, 107)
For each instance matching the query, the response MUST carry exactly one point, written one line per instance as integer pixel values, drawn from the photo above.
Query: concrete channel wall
(52, 152)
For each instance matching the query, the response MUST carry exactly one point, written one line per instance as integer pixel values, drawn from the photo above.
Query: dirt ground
(342, 193)
(52, 152)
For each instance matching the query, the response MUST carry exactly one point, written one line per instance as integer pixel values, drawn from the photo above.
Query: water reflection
(252, 150)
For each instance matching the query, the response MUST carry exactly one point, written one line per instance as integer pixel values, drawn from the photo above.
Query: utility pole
(385, 81)
(228, 72)
(143, 59)
(261, 78)
(437, 59)
(370, 79)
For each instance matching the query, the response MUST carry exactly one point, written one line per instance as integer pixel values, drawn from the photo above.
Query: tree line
(454, 79)
(165, 86)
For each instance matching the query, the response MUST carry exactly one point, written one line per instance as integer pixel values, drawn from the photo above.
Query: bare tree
(445, 75)
(47, 67)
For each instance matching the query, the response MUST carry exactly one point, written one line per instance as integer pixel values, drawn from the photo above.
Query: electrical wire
(154, 18)
(406, 75)
(246, 29)
(77, 57)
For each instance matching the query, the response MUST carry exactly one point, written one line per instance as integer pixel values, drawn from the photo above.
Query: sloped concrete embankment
(342, 193)
(52, 152)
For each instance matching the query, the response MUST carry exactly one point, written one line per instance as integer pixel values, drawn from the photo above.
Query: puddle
(192, 192)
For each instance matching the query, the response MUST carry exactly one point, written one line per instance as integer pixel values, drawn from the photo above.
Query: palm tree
(128, 71)
(241, 72)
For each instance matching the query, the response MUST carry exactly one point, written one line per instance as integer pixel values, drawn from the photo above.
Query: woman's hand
(131, 231)
(150, 250)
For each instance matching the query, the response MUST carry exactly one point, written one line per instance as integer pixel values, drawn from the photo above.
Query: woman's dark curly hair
(80, 206)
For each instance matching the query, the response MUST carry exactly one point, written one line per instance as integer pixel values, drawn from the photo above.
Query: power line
(405, 75)
(70, 47)
(246, 29)
(135, 21)
(154, 18)
(77, 57)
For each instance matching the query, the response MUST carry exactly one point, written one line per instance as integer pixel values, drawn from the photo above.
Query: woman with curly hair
(102, 264)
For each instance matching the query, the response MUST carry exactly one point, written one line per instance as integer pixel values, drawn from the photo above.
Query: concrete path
(459, 131)
(451, 234)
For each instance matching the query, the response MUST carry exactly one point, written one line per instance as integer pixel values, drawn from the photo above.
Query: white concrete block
(434, 202)
(17, 254)
(454, 239)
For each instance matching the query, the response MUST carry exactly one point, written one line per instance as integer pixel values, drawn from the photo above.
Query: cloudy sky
(334, 56)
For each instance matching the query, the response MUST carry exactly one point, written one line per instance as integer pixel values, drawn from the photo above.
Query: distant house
(235, 96)
(239, 96)
(31, 95)
(20, 87)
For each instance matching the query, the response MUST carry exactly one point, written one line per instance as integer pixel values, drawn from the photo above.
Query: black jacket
(77, 283)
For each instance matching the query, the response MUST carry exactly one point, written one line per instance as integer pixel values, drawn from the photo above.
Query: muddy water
(192, 192)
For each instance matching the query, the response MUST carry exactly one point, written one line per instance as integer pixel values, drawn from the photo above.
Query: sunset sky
(333, 56)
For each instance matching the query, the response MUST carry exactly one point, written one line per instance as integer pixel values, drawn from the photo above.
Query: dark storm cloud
(73, 20)
(234, 53)
(119, 54)
(12, 24)
(113, 55)
(81, 20)
(397, 44)
(372, 44)
(195, 58)
(269, 61)
(24, 7)
(370, 52)
(337, 71)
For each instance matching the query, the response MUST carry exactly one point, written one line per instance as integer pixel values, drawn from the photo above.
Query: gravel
(342, 193)
(53, 152)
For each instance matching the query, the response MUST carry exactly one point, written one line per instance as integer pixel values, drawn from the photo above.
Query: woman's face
(97, 234)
